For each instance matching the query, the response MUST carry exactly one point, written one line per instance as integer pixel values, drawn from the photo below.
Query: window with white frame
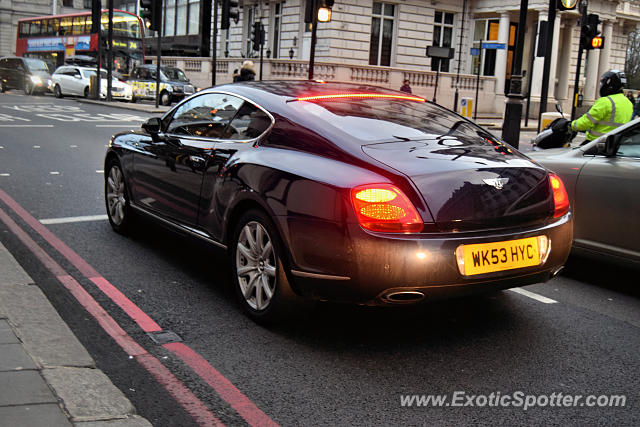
(277, 22)
(442, 36)
(250, 17)
(382, 17)
(485, 30)
(194, 17)
(181, 18)
(169, 18)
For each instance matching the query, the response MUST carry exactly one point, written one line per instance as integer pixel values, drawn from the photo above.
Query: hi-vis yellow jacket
(607, 113)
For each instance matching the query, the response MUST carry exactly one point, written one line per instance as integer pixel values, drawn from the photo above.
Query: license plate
(484, 258)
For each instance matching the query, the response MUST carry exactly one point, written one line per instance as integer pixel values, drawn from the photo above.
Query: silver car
(603, 182)
(75, 80)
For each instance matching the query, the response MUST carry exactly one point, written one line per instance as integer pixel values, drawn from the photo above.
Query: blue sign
(475, 51)
(83, 43)
(494, 45)
(41, 45)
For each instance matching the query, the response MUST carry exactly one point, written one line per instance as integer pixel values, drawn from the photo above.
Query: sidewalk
(47, 378)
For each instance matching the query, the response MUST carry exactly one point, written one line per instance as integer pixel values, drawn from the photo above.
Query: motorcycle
(556, 134)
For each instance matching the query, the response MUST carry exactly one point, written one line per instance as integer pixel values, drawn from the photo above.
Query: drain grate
(164, 337)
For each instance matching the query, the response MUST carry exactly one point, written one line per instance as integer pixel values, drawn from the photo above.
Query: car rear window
(382, 119)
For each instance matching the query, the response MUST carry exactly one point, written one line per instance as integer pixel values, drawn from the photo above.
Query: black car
(174, 84)
(328, 191)
(28, 74)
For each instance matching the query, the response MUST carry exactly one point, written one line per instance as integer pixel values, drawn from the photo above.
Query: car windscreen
(36, 64)
(379, 119)
(175, 74)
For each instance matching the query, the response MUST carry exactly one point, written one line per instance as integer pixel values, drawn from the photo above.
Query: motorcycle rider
(611, 110)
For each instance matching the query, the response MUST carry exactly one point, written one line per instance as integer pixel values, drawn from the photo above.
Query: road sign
(475, 51)
(494, 45)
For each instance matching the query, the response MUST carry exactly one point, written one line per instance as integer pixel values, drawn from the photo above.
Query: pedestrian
(405, 86)
(235, 75)
(611, 110)
(247, 73)
(636, 107)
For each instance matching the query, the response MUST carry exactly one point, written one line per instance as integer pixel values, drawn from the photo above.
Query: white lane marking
(113, 126)
(37, 146)
(54, 173)
(26, 126)
(99, 171)
(74, 146)
(73, 219)
(5, 174)
(534, 296)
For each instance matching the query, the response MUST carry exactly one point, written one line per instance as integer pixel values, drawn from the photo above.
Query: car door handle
(196, 160)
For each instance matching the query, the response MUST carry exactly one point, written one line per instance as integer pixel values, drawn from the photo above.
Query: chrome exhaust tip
(555, 272)
(400, 297)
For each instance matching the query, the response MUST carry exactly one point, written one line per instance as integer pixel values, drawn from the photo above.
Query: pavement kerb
(84, 395)
(126, 105)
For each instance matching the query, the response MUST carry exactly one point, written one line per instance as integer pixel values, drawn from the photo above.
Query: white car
(74, 80)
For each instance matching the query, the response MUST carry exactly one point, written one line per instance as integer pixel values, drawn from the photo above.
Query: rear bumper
(369, 268)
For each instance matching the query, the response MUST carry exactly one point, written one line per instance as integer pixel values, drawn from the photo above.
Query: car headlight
(37, 80)
(169, 88)
(177, 88)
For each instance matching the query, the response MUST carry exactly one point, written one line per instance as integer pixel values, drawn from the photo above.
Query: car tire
(57, 91)
(116, 198)
(256, 259)
(165, 98)
(28, 88)
(3, 87)
(86, 92)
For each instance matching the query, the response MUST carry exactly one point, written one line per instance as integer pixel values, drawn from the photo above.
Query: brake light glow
(384, 207)
(360, 95)
(560, 196)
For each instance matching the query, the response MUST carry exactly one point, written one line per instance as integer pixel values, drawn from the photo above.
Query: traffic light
(567, 4)
(589, 36)
(151, 13)
(96, 14)
(257, 35)
(229, 11)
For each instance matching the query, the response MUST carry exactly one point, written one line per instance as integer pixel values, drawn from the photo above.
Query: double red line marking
(194, 406)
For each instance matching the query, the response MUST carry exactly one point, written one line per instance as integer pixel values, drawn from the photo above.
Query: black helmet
(612, 82)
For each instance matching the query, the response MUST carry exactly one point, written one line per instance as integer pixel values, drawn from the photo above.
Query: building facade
(384, 42)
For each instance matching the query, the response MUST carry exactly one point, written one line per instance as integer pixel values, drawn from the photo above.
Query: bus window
(35, 28)
(23, 29)
(53, 26)
(78, 25)
(65, 26)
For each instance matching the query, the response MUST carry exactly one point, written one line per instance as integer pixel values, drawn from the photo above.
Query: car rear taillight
(560, 196)
(384, 207)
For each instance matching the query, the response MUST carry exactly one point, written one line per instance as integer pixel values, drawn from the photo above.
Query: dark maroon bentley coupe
(343, 192)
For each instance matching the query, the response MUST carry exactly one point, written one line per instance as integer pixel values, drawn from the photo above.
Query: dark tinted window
(375, 119)
(205, 116)
(630, 143)
(249, 123)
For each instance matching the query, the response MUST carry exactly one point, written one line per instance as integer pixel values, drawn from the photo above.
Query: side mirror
(152, 126)
(610, 145)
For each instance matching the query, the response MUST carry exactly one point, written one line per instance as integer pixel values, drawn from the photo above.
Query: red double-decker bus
(59, 38)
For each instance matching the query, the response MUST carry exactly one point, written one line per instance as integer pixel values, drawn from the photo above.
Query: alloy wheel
(116, 201)
(256, 265)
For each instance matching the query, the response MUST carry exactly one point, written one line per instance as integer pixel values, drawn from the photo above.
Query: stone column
(501, 54)
(538, 63)
(605, 53)
(564, 60)
(554, 60)
(591, 84)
